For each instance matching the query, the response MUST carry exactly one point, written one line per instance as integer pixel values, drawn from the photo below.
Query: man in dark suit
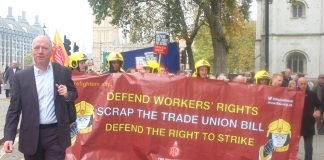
(310, 113)
(9, 74)
(44, 94)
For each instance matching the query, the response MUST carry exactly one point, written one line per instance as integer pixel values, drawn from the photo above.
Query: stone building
(107, 38)
(16, 37)
(296, 36)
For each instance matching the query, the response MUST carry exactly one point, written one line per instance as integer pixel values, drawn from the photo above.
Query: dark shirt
(286, 80)
(308, 121)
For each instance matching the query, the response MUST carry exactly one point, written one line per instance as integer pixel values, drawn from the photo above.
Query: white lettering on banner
(182, 118)
(115, 111)
(215, 121)
(280, 101)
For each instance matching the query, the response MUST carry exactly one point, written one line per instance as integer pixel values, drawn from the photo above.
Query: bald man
(44, 95)
(311, 111)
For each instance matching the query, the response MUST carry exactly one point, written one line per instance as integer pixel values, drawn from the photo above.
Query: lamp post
(266, 35)
(266, 32)
(44, 27)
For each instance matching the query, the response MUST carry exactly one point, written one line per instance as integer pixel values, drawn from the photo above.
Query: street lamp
(44, 27)
(266, 35)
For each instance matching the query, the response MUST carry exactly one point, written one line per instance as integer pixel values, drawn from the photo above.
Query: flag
(59, 54)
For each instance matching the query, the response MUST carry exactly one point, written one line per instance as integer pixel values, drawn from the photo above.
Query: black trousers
(48, 145)
(308, 146)
(7, 93)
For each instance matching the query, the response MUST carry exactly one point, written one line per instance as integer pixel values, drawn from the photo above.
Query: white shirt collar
(38, 71)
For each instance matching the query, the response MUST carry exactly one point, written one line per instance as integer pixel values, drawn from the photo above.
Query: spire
(37, 24)
(9, 16)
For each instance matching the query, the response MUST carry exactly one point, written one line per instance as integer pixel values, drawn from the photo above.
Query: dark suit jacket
(308, 121)
(24, 101)
(10, 74)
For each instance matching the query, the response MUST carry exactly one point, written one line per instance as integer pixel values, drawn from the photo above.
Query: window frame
(297, 62)
(298, 10)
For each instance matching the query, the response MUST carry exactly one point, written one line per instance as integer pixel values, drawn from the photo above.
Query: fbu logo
(174, 150)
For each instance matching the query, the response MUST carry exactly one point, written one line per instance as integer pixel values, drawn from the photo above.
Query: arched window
(298, 9)
(296, 62)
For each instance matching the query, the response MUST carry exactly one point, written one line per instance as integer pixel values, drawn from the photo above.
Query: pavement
(318, 141)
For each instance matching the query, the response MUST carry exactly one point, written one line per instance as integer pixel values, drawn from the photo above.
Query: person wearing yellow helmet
(262, 77)
(115, 62)
(202, 69)
(151, 66)
(154, 67)
(279, 135)
(78, 61)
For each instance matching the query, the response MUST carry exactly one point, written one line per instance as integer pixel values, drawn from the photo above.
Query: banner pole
(159, 59)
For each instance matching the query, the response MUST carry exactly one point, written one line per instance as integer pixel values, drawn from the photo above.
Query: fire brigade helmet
(114, 56)
(262, 74)
(280, 126)
(201, 63)
(75, 58)
(85, 116)
(154, 66)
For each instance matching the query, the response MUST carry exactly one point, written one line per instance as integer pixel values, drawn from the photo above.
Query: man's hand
(62, 90)
(8, 146)
(317, 114)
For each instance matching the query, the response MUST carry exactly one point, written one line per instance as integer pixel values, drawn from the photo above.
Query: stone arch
(296, 60)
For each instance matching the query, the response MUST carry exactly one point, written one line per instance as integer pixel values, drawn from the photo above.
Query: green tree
(182, 18)
(28, 59)
(241, 47)
(140, 19)
(224, 17)
(203, 48)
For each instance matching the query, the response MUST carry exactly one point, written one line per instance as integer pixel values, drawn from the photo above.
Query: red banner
(144, 116)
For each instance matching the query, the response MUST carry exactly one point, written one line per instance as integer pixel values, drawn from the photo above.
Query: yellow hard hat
(154, 65)
(75, 58)
(114, 56)
(84, 109)
(262, 74)
(201, 63)
(280, 126)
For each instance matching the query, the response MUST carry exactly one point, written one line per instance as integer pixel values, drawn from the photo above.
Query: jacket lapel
(33, 84)
(55, 72)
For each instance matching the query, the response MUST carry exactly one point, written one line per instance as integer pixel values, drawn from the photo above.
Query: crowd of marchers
(43, 95)
(314, 92)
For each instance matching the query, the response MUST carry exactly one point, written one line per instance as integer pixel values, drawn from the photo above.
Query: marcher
(9, 74)
(1, 82)
(115, 62)
(249, 78)
(262, 77)
(311, 111)
(223, 77)
(319, 90)
(202, 69)
(78, 62)
(44, 94)
(286, 77)
(277, 80)
(239, 79)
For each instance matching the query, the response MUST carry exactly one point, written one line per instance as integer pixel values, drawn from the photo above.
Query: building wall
(110, 39)
(288, 34)
(15, 41)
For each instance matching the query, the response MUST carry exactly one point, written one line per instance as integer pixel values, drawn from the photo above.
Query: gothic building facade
(296, 36)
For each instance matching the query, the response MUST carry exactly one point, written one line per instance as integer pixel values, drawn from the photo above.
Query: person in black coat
(9, 74)
(311, 111)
